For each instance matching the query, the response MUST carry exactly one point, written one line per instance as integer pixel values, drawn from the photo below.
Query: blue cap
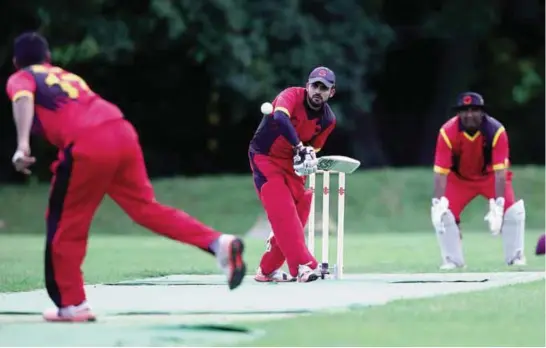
(468, 100)
(324, 75)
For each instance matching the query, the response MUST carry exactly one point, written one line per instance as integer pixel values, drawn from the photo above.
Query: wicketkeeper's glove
(495, 215)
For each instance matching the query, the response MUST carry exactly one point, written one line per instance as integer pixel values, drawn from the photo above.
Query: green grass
(376, 201)
(388, 230)
(21, 257)
(512, 316)
(509, 316)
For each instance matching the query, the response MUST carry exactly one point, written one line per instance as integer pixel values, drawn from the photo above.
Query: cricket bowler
(472, 159)
(99, 154)
(282, 154)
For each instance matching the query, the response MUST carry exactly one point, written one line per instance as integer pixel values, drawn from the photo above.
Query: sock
(214, 246)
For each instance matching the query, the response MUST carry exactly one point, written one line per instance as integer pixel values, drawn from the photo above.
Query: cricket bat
(341, 164)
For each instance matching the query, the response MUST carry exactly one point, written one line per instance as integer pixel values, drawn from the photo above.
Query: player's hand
(437, 211)
(305, 160)
(22, 160)
(495, 215)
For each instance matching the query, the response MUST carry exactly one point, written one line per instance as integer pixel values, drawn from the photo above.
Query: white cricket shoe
(306, 274)
(449, 266)
(278, 276)
(230, 259)
(80, 313)
(520, 260)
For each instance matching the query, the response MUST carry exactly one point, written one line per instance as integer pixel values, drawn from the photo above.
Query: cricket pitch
(200, 310)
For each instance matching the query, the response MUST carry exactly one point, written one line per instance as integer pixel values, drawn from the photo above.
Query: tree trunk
(454, 77)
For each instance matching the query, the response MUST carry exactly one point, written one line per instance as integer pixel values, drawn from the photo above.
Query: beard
(315, 102)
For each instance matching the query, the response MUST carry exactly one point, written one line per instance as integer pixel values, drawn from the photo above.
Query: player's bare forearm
(440, 182)
(23, 115)
(500, 182)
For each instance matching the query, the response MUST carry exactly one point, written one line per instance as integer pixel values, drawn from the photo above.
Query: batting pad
(513, 232)
(450, 241)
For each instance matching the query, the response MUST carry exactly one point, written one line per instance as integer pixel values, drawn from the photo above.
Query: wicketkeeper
(472, 159)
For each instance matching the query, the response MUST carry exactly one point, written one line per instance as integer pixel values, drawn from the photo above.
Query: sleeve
(287, 129)
(20, 84)
(500, 149)
(286, 102)
(320, 140)
(443, 157)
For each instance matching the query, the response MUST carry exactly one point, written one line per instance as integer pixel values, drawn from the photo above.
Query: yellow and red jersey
(472, 156)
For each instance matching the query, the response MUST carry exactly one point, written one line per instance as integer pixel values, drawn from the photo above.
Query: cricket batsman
(472, 159)
(99, 154)
(282, 153)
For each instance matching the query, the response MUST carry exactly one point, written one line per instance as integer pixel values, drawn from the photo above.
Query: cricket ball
(540, 245)
(266, 108)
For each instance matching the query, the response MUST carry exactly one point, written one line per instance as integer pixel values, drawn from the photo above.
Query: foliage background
(191, 74)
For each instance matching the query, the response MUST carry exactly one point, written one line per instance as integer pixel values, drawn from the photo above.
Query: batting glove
(305, 160)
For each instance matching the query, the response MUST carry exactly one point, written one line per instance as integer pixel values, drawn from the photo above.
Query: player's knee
(61, 248)
(515, 212)
(144, 211)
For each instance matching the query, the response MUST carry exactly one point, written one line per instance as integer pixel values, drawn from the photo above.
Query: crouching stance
(472, 159)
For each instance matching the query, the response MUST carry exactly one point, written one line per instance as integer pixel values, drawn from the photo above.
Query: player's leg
(133, 191)
(513, 226)
(459, 193)
(273, 258)
(281, 211)
(269, 269)
(302, 198)
(78, 186)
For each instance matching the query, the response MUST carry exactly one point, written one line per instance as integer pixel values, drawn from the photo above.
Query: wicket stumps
(325, 265)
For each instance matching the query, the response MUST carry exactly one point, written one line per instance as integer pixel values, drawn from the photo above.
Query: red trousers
(287, 204)
(105, 160)
(461, 192)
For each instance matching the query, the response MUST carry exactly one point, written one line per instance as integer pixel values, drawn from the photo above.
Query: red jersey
(65, 106)
(472, 157)
(312, 126)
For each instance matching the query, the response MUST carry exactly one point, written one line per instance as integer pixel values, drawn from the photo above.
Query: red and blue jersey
(312, 126)
(65, 106)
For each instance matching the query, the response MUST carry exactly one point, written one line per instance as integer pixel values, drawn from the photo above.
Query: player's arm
(442, 163)
(500, 160)
(320, 139)
(20, 89)
(284, 107)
